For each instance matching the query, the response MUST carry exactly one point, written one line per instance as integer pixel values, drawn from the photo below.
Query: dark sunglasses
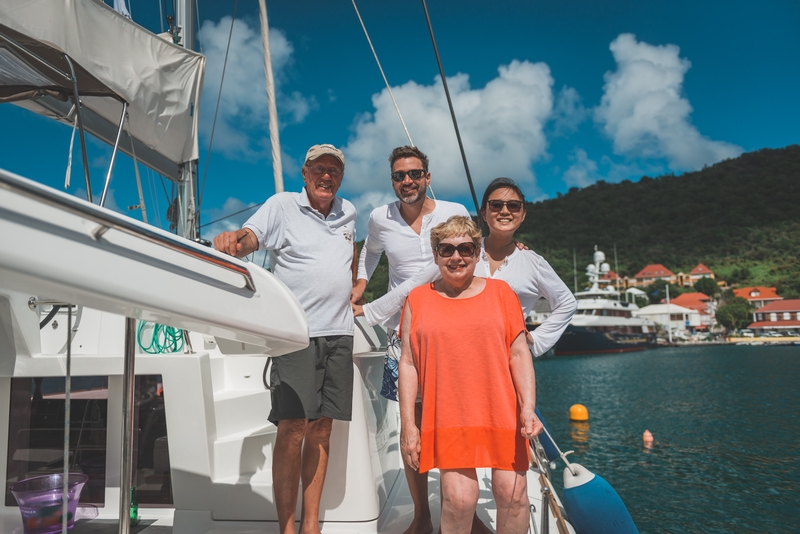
(465, 250)
(497, 205)
(414, 174)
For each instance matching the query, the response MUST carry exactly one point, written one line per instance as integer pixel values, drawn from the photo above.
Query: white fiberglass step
(238, 411)
(243, 453)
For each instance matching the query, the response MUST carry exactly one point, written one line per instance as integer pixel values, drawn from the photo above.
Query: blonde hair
(456, 226)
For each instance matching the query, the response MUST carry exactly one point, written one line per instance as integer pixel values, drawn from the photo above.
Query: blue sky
(552, 94)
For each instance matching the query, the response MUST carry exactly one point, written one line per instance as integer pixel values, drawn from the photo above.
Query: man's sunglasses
(465, 250)
(414, 174)
(497, 205)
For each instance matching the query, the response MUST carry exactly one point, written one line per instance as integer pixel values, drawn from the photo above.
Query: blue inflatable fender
(592, 505)
(549, 447)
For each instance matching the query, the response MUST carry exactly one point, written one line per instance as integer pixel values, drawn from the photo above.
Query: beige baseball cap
(320, 150)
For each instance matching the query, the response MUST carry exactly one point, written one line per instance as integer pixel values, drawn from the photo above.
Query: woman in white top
(528, 274)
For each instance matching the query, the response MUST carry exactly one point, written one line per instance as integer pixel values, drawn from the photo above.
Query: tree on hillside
(707, 286)
(740, 275)
(736, 313)
(657, 291)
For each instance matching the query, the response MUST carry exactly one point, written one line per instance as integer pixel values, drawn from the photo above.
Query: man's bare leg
(418, 487)
(315, 465)
(286, 462)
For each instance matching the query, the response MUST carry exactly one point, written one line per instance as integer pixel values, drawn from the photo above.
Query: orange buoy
(647, 438)
(578, 412)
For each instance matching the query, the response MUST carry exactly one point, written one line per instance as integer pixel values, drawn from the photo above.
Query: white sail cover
(161, 81)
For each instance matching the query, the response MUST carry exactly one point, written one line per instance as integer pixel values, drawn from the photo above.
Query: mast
(274, 136)
(187, 187)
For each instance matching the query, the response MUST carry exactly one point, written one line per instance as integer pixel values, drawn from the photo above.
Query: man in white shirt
(311, 239)
(402, 229)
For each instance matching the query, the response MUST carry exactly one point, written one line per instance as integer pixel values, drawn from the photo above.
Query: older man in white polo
(311, 239)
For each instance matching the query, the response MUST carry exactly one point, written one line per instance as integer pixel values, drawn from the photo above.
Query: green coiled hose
(164, 339)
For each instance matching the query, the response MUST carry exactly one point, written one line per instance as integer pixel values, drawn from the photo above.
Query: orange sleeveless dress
(461, 347)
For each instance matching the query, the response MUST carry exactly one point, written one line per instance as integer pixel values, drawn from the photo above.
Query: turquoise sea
(726, 422)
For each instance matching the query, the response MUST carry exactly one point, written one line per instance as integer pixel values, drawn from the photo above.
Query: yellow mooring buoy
(578, 412)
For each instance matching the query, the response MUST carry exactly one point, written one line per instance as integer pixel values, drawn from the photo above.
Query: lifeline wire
(563, 455)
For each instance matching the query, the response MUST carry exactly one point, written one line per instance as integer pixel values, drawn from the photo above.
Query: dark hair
(500, 183)
(408, 152)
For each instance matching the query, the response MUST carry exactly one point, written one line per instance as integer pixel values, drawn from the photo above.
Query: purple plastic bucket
(39, 500)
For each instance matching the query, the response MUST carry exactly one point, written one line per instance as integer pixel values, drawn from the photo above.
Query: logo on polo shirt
(347, 235)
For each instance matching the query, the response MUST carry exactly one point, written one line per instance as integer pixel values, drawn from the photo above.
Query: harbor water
(726, 455)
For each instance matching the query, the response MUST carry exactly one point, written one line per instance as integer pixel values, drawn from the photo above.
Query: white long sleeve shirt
(410, 256)
(531, 277)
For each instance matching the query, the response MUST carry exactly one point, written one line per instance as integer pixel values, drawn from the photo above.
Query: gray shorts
(314, 382)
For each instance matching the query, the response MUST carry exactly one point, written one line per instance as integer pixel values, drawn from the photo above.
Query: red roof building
(650, 274)
(611, 275)
(778, 315)
(759, 295)
(701, 271)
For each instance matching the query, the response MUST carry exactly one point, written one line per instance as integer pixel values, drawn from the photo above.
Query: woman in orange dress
(466, 355)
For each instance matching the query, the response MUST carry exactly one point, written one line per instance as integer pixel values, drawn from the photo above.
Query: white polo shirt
(311, 254)
(531, 277)
(409, 255)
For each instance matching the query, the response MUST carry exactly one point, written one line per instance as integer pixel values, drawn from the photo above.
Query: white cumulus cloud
(582, 172)
(501, 126)
(644, 111)
(243, 106)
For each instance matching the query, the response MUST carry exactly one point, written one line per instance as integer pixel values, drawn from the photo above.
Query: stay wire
(216, 110)
(450, 104)
(388, 87)
(232, 214)
(386, 81)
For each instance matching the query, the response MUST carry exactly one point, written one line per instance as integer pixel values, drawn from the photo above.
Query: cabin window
(773, 317)
(787, 316)
(36, 435)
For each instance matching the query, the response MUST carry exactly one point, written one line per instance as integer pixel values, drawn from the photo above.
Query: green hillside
(740, 217)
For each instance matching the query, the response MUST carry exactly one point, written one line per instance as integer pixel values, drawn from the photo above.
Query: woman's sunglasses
(465, 250)
(513, 206)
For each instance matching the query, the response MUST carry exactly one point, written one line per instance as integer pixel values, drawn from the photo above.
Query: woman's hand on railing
(531, 425)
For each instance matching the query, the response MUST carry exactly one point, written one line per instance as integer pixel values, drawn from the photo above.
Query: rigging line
(232, 214)
(216, 111)
(142, 206)
(164, 187)
(161, 13)
(388, 87)
(450, 104)
(197, 12)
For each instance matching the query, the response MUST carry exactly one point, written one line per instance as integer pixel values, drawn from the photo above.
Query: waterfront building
(781, 316)
(681, 320)
(702, 304)
(758, 296)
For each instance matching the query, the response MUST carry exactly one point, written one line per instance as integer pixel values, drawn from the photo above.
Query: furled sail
(116, 60)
